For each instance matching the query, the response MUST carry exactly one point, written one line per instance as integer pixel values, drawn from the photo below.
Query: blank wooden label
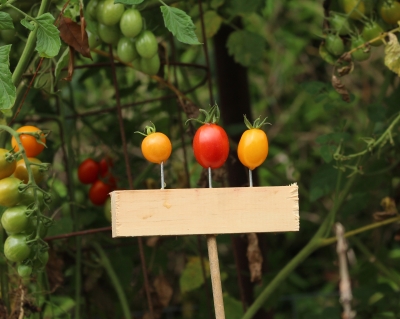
(205, 211)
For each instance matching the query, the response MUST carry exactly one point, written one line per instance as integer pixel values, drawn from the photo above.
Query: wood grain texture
(205, 211)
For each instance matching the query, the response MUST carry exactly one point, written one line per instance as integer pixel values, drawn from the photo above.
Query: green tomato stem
(29, 48)
(114, 280)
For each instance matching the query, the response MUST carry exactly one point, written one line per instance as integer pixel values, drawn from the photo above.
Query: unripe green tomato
(107, 209)
(150, 66)
(112, 12)
(24, 270)
(109, 35)
(15, 15)
(371, 31)
(93, 39)
(9, 36)
(126, 50)
(334, 44)
(131, 23)
(38, 262)
(16, 249)
(28, 197)
(9, 192)
(91, 8)
(359, 55)
(31, 230)
(146, 44)
(99, 11)
(15, 220)
(389, 11)
(339, 23)
(358, 8)
(136, 64)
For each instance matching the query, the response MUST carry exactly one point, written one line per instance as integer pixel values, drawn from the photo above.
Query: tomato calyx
(211, 117)
(149, 129)
(258, 123)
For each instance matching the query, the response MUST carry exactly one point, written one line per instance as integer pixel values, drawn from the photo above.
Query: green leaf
(212, 23)
(215, 4)
(7, 88)
(6, 22)
(129, 2)
(61, 63)
(241, 7)
(48, 37)
(233, 307)
(323, 182)
(376, 112)
(314, 87)
(180, 24)
(192, 276)
(246, 47)
(27, 24)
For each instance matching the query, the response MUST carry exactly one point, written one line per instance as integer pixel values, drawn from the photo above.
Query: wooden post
(207, 211)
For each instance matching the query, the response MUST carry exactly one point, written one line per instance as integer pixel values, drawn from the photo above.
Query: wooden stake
(215, 277)
(214, 269)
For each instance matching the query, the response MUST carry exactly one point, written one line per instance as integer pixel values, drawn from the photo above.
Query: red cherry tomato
(211, 146)
(105, 164)
(88, 171)
(98, 193)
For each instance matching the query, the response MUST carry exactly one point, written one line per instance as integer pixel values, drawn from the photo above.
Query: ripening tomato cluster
(99, 176)
(123, 28)
(20, 220)
(211, 143)
(356, 22)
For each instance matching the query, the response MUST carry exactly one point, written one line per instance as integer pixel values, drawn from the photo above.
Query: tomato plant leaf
(129, 2)
(7, 88)
(6, 22)
(180, 24)
(392, 54)
(61, 63)
(212, 23)
(323, 182)
(240, 7)
(27, 24)
(246, 47)
(215, 4)
(48, 37)
(192, 276)
(71, 34)
(233, 307)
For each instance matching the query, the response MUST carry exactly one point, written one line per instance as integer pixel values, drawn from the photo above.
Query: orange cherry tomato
(31, 146)
(6, 168)
(156, 147)
(22, 173)
(253, 145)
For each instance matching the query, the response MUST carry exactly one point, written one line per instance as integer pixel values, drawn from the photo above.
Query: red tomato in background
(211, 146)
(88, 171)
(98, 193)
(105, 164)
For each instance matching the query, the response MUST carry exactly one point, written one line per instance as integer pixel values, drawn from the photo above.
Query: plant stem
(29, 48)
(331, 240)
(307, 250)
(375, 261)
(114, 280)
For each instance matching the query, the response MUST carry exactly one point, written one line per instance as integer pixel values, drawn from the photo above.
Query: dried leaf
(163, 289)
(152, 241)
(392, 54)
(345, 69)
(70, 65)
(390, 208)
(71, 34)
(340, 88)
(346, 57)
(255, 257)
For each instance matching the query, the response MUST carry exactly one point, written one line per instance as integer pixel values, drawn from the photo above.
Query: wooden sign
(204, 211)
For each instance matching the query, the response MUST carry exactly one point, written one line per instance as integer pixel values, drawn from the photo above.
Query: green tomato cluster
(356, 22)
(123, 28)
(21, 219)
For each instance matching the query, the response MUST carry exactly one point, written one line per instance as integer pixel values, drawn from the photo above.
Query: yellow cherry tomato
(357, 8)
(22, 173)
(6, 168)
(253, 145)
(156, 147)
